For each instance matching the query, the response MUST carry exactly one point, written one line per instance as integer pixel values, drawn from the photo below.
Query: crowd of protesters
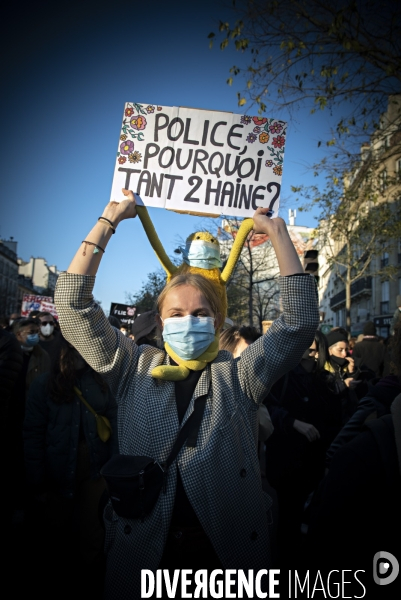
(315, 428)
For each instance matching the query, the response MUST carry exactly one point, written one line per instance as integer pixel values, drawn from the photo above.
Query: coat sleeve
(282, 346)
(34, 433)
(85, 326)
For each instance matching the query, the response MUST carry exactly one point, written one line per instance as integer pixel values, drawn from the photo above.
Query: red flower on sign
(279, 141)
(121, 160)
(259, 120)
(129, 111)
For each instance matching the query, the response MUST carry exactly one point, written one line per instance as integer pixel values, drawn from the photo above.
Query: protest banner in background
(42, 303)
(49, 307)
(124, 312)
(199, 161)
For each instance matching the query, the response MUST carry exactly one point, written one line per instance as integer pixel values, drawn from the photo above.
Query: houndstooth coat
(221, 474)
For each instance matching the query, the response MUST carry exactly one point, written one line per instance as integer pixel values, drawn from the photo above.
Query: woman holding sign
(213, 513)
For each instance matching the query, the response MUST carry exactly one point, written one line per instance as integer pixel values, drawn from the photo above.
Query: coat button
(254, 535)
(178, 535)
(243, 472)
(127, 529)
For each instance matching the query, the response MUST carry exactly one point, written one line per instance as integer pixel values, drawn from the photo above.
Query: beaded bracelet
(95, 249)
(110, 223)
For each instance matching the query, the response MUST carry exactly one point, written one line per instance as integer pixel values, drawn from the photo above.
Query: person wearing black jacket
(63, 458)
(305, 416)
(10, 367)
(374, 405)
(370, 351)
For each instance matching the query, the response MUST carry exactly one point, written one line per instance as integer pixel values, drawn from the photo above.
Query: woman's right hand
(119, 211)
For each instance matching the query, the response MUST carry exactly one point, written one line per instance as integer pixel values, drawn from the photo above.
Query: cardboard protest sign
(124, 312)
(31, 302)
(199, 161)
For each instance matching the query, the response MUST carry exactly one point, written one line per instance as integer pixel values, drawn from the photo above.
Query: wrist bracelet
(95, 249)
(111, 225)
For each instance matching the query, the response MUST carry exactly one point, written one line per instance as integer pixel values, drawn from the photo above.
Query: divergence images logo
(385, 568)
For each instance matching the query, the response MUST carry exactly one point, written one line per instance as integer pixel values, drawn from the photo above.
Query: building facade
(8, 277)
(373, 294)
(42, 276)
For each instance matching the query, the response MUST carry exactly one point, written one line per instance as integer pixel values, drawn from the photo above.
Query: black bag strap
(188, 431)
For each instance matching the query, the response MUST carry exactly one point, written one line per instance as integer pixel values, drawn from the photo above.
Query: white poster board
(199, 161)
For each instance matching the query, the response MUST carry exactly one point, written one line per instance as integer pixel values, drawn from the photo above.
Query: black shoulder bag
(135, 482)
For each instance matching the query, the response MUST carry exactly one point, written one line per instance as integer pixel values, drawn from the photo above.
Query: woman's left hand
(263, 223)
(119, 211)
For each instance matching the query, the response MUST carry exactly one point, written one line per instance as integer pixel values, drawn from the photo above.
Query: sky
(66, 74)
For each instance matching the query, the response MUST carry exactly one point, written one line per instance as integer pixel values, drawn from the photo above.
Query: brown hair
(63, 375)
(230, 337)
(197, 281)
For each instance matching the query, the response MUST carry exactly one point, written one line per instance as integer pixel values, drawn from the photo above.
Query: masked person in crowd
(11, 319)
(48, 334)
(63, 458)
(303, 413)
(212, 512)
(348, 376)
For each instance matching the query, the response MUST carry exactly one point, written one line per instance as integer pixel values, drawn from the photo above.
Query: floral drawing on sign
(133, 127)
(271, 133)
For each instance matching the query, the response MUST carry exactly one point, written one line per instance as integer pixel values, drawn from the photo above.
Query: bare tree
(343, 55)
(360, 220)
(253, 287)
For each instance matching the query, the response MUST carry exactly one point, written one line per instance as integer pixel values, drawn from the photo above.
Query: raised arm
(276, 229)
(82, 321)
(87, 259)
(281, 348)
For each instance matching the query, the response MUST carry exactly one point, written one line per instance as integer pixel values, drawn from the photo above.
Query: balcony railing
(359, 288)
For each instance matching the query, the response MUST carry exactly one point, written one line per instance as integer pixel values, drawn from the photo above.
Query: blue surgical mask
(32, 339)
(201, 254)
(189, 336)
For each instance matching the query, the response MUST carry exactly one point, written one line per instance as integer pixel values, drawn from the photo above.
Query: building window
(383, 180)
(385, 303)
(384, 260)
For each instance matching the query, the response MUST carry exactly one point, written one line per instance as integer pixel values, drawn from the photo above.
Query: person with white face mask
(49, 336)
(46, 326)
(212, 513)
